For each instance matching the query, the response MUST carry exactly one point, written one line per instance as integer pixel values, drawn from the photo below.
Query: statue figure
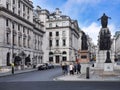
(84, 42)
(104, 20)
(108, 60)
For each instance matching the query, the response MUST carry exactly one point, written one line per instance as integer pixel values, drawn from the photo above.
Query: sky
(86, 12)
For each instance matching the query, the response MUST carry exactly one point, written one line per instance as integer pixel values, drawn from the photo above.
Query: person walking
(75, 67)
(65, 69)
(71, 67)
(27, 61)
(78, 68)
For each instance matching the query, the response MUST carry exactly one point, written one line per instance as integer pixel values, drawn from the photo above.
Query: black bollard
(12, 67)
(12, 70)
(34, 66)
(87, 72)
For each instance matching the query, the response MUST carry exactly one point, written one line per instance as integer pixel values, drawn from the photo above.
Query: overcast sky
(86, 12)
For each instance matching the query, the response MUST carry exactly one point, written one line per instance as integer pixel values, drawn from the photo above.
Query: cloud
(93, 31)
(112, 28)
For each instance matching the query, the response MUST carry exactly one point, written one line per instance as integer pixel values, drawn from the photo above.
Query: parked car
(49, 65)
(45, 66)
(42, 67)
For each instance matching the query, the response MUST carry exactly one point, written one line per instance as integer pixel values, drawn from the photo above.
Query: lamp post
(12, 64)
(115, 51)
(13, 46)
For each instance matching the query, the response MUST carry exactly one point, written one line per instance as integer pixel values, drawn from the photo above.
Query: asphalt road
(44, 75)
(60, 85)
(43, 80)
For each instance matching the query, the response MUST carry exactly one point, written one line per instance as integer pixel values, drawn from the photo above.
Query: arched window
(50, 53)
(64, 57)
(64, 52)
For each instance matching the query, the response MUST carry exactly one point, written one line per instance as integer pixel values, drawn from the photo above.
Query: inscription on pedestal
(108, 67)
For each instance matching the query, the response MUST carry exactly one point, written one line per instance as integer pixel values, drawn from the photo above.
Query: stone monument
(84, 56)
(84, 45)
(104, 55)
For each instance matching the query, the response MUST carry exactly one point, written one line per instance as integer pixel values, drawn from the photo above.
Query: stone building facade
(115, 45)
(61, 37)
(21, 32)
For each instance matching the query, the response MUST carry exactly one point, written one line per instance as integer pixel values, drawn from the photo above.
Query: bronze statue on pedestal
(104, 20)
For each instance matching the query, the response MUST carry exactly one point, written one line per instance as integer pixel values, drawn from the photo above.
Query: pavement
(7, 72)
(95, 75)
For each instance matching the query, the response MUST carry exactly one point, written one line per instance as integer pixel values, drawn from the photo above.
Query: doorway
(8, 59)
(57, 59)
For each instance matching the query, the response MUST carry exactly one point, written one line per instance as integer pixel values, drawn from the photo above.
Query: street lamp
(12, 64)
(13, 46)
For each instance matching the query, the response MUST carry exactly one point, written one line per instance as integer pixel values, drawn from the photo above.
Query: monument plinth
(84, 56)
(108, 65)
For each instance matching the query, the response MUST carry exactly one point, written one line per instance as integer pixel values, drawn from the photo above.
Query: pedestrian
(71, 67)
(75, 68)
(78, 68)
(65, 69)
(34, 63)
(27, 61)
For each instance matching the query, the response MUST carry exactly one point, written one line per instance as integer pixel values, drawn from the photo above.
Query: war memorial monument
(104, 54)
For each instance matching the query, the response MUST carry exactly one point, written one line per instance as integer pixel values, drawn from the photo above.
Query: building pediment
(57, 52)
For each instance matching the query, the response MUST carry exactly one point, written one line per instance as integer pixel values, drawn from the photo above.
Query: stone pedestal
(101, 58)
(84, 60)
(84, 56)
(108, 67)
(83, 67)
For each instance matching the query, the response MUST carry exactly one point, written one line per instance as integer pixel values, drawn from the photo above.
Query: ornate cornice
(39, 29)
(15, 15)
